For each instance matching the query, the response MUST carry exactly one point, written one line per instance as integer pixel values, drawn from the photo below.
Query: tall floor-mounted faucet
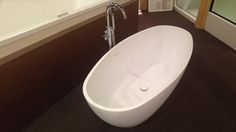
(110, 28)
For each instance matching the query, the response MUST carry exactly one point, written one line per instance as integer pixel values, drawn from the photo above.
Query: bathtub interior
(139, 67)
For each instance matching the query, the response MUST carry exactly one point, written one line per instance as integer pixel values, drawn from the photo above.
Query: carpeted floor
(204, 100)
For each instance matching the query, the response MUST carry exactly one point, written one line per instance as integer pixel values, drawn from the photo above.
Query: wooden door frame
(143, 5)
(202, 13)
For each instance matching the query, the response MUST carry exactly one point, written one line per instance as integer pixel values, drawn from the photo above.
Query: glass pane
(225, 8)
(193, 7)
(190, 6)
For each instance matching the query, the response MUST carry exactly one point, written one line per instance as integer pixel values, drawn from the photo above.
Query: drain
(143, 89)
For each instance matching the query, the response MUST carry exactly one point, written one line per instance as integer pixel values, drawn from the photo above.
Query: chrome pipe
(110, 28)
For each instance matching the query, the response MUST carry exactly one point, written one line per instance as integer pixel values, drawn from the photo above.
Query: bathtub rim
(92, 102)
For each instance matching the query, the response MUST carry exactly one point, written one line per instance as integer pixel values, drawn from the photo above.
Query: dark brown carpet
(204, 100)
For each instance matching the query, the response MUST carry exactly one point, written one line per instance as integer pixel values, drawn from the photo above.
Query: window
(225, 9)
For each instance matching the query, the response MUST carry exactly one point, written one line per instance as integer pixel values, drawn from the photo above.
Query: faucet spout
(121, 9)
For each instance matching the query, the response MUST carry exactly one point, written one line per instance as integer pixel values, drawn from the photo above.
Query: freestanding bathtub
(132, 80)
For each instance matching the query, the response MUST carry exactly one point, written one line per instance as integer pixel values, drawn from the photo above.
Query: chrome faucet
(110, 28)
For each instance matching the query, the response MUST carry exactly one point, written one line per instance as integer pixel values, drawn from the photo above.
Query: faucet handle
(106, 35)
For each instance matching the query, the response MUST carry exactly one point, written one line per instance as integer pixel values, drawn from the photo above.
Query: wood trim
(202, 14)
(143, 5)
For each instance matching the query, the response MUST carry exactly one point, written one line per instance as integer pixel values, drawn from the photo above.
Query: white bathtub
(130, 82)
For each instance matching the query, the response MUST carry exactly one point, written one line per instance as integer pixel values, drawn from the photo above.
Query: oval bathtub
(131, 81)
